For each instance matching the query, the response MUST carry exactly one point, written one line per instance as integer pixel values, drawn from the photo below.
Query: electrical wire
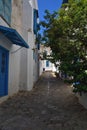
(16, 50)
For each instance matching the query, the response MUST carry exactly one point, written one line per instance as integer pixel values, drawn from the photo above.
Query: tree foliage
(65, 32)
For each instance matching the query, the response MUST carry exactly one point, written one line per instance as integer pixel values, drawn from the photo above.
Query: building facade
(29, 70)
(46, 65)
(18, 21)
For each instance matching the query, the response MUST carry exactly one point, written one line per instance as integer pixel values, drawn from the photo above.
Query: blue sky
(50, 5)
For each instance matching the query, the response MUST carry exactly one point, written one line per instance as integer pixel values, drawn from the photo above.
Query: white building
(29, 57)
(18, 66)
(46, 65)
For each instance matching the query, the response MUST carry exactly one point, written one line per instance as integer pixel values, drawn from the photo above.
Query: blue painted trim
(6, 9)
(35, 24)
(13, 36)
(7, 69)
(3, 48)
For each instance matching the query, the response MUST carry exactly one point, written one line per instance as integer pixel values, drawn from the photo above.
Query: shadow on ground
(51, 105)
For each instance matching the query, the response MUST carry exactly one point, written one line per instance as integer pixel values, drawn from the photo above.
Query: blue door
(47, 63)
(3, 72)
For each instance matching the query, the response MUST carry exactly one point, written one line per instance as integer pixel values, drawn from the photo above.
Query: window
(35, 24)
(5, 10)
(47, 63)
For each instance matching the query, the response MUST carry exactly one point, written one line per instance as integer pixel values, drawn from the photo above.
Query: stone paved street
(51, 105)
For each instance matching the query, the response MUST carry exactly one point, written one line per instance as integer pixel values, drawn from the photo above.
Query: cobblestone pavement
(51, 105)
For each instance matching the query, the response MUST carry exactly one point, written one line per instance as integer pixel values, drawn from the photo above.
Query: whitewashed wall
(23, 70)
(43, 65)
(29, 69)
(14, 63)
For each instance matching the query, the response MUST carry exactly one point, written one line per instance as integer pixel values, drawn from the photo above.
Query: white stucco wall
(35, 68)
(35, 60)
(14, 57)
(30, 82)
(41, 66)
(34, 4)
(16, 15)
(14, 70)
(29, 70)
(14, 65)
(26, 53)
(23, 70)
(3, 23)
(50, 68)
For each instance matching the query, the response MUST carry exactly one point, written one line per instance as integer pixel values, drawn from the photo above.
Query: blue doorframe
(4, 60)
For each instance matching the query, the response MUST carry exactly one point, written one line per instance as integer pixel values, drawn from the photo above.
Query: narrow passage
(51, 105)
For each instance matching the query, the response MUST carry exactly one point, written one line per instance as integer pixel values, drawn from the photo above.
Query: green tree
(66, 33)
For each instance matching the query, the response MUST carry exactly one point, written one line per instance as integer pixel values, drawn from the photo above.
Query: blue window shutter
(6, 9)
(1, 8)
(4, 59)
(35, 25)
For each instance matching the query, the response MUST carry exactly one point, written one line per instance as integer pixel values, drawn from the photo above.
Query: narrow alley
(51, 105)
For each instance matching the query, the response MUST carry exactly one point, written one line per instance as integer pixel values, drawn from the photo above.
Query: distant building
(46, 65)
